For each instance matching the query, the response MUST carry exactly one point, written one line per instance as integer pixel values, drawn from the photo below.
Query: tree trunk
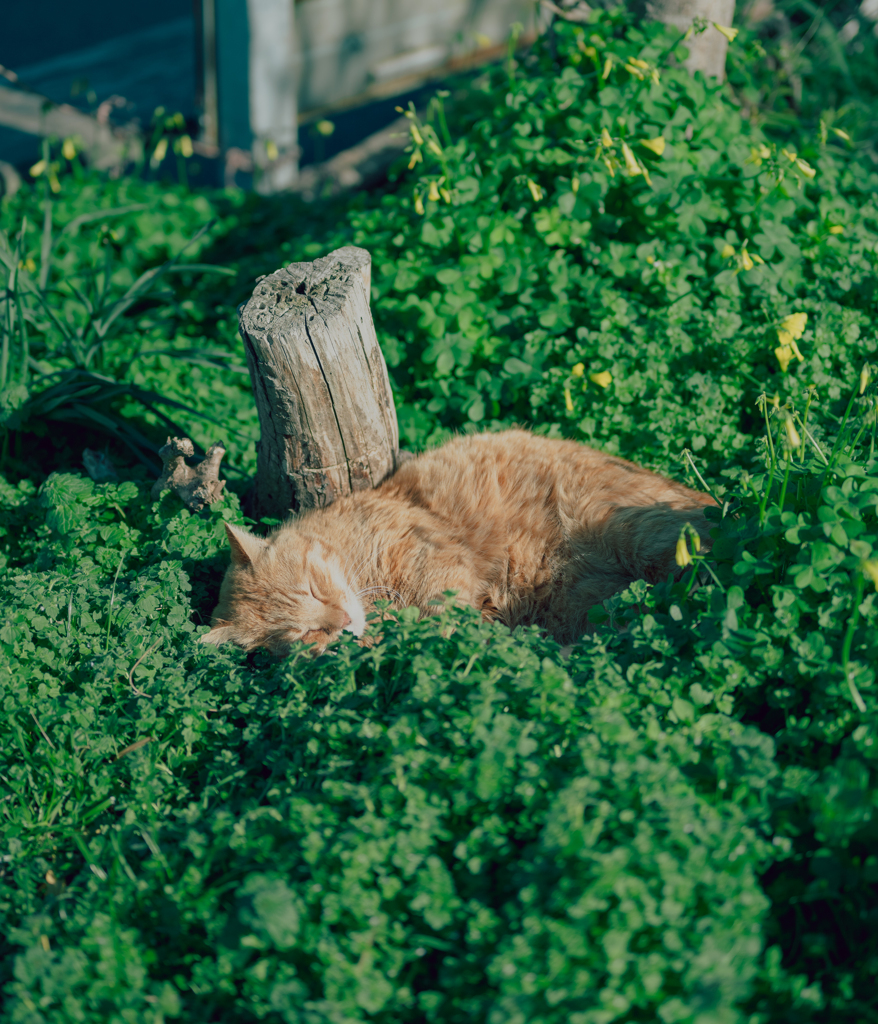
(707, 51)
(326, 411)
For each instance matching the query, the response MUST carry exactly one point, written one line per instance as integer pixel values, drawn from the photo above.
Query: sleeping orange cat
(526, 529)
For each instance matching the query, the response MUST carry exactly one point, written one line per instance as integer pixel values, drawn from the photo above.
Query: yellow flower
(796, 351)
(68, 150)
(579, 370)
(611, 166)
(434, 147)
(38, 168)
(806, 168)
(757, 258)
(419, 205)
(603, 379)
(638, 63)
(645, 172)
(416, 158)
(433, 193)
(568, 399)
(186, 146)
(791, 328)
(535, 190)
(729, 33)
(631, 165)
(446, 195)
(682, 556)
(606, 141)
(746, 262)
(325, 128)
(591, 52)
(728, 251)
(792, 433)
(842, 134)
(574, 186)
(162, 148)
(790, 154)
(608, 67)
(657, 145)
(416, 135)
(635, 71)
(758, 154)
(836, 229)
(870, 570)
(271, 150)
(784, 354)
(865, 377)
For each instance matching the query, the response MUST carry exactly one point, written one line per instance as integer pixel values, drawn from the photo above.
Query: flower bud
(729, 33)
(657, 145)
(792, 434)
(631, 165)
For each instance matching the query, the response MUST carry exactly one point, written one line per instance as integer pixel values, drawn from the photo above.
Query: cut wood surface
(326, 412)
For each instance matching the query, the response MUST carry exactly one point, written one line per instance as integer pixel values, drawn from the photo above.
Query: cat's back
(483, 472)
(515, 472)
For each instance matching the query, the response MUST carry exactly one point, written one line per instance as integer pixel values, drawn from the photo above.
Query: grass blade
(146, 279)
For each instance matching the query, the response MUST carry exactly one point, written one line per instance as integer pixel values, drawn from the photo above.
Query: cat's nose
(346, 621)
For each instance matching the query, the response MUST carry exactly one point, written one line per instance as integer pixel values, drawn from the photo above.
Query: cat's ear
(245, 547)
(218, 635)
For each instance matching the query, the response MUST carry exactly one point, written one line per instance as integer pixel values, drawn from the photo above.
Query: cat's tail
(642, 541)
(633, 543)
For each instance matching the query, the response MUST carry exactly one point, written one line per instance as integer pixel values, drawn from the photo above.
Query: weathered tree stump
(326, 412)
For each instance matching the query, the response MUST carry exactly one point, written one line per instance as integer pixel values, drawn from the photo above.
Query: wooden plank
(346, 48)
(272, 83)
(707, 49)
(276, 62)
(35, 114)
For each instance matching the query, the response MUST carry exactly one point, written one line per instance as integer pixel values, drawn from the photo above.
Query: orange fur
(524, 528)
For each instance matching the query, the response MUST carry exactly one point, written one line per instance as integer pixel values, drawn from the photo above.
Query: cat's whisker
(368, 591)
(346, 568)
(358, 572)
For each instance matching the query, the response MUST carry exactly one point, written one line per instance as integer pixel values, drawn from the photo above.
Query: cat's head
(283, 591)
